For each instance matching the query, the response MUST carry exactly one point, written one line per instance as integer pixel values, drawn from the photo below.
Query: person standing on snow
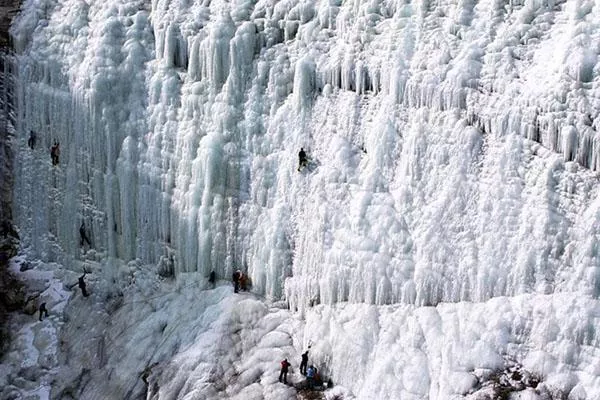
(31, 140)
(43, 311)
(284, 370)
(310, 376)
(317, 378)
(304, 363)
(243, 281)
(236, 281)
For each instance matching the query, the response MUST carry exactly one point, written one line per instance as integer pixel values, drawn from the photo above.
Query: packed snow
(441, 243)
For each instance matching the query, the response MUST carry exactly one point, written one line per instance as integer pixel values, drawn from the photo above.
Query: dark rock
(26, 266)
(30, 373)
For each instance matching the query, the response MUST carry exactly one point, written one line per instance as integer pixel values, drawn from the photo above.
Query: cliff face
(11, 295)
(442, 142)
(441, 136)
(8, 9)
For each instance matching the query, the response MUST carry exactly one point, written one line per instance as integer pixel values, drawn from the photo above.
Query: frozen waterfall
(454, 156)
(179, 133)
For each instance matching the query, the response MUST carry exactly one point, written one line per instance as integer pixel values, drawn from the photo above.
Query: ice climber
(284, 370)
(243, 281)
(43, 311)
(236, 281)
(82, 286)
(31, 140)
(55, 153)
(317, 378)
(83, 236)
(304, 363)
(302, 160)
(212, 278)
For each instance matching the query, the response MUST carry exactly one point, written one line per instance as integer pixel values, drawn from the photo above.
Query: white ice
(445, 229)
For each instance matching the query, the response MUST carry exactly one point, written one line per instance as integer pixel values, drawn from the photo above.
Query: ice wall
(453, 145)
(82, 86)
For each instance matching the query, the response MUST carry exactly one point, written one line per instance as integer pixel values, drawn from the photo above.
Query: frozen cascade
(453, 146)
(202, 112)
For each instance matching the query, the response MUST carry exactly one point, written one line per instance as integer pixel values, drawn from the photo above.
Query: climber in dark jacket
(55, 153)
(83, 236)
(82, 286)
(304, 363)
(302, 160)
(236, 281)
(43, 311)
(31, 140)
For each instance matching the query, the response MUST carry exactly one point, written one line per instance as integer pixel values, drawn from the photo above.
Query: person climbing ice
(31, 140)
(82, 285)
(55, 153)
(83, 238)
(302, 159)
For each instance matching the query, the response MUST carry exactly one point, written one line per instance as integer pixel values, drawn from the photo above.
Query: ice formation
(450, 203)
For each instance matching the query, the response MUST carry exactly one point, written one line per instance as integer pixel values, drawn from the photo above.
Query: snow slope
(447, 223)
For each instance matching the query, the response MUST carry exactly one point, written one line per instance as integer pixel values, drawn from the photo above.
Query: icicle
(595, 162)
(304, 83)
(553, 135)
(215, 49)
(375, 81)
(384, 290)
(333, 74)
(175, 48)
(570, 143)
(327, 14)
(290, 30)
(194, 71)
(242, 52)
(584, 151)
(399, 90)
(361, 78)
(126, 170)
(348, 73)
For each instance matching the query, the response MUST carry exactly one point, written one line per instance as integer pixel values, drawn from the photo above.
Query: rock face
(12, 298)
(11, 293)
(8, 9)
